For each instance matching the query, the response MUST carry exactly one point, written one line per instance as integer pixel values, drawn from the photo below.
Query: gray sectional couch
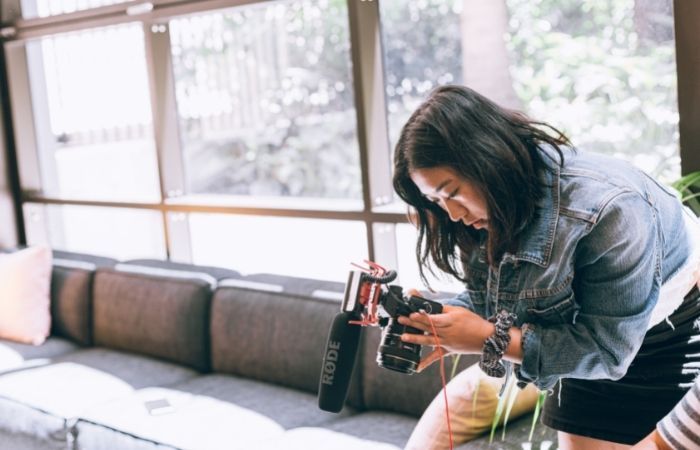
(237, 359)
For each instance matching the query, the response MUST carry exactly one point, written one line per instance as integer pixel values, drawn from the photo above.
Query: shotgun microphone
(338, 362)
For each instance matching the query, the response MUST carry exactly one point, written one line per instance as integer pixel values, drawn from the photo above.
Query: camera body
(371, 301)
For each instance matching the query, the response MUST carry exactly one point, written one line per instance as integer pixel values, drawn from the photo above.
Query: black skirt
(626, 410)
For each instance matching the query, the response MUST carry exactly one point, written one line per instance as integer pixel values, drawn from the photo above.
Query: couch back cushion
(218, 273)
(71, 301)
(156, 312)
(275, 332)
(393, 391)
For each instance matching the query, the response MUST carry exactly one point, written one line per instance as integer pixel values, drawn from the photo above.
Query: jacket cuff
(529, 370)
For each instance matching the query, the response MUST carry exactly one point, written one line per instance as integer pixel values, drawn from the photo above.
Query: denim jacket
(587, 272)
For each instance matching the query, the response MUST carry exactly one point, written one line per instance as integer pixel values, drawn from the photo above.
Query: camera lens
(393, 353)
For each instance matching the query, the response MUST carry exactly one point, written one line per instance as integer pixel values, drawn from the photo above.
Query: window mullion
(370, 105)
(686, 16)
(370, 102)
(384, 235)
(165, 129)
(23, 117)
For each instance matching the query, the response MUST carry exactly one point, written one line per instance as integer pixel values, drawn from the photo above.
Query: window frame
(368, 80)
(370, 103)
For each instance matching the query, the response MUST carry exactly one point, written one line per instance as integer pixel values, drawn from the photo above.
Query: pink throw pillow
(25, 281)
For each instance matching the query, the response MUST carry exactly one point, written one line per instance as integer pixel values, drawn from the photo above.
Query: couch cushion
(15, 356)
(320, 439)
(71, 294)
(261, 331)
(135, 370)
(390, 428)
(15, 441)
(194, 422)
(71, 304)
(288, 407)
(385, 389)
(101, 437)
(218, 273)
(42, 401)
(94, 260)
(156, 312)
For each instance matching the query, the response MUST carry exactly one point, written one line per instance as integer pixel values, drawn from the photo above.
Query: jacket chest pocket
(476, 288)
(551, 310)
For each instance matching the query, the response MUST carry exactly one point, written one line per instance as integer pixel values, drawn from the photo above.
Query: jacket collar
(537, 239)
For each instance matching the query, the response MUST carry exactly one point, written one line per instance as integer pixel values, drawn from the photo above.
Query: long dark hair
(498, 151)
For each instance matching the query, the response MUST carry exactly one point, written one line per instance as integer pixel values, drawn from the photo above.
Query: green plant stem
(540, 401)
(455, 363)
(512, 395)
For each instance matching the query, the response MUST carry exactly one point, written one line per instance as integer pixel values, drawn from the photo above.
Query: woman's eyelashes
(450, 196)
(436, 200)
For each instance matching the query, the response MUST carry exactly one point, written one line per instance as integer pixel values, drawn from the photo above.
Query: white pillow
(25, 280)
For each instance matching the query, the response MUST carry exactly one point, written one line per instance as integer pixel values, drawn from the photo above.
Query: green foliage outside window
(688, 187)
(602, 71)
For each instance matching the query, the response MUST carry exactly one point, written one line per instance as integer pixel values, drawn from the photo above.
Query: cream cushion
(469, 417)
(25, 279)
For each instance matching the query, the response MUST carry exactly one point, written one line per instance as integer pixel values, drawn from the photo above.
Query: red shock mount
(369, 294)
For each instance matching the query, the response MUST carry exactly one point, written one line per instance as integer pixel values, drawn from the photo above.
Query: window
(310, 248)
(433, 55)
(119, 233)
(92, 115)
(408, 266)
(602, 72)
(46, 8)
(256, 137)
(265, 101)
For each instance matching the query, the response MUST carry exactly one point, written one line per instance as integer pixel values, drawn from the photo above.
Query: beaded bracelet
(496, 345)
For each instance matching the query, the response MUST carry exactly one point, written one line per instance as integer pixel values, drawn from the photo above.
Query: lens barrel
(393, 353)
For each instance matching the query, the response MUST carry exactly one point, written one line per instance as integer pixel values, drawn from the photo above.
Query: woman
(584, 263)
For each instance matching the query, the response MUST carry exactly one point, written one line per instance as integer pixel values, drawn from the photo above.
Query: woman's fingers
(420, 339)
(415, 323)
(458, 329)
(414, 292)
(424, 321)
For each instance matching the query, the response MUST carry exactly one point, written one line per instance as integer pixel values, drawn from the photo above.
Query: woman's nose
(454, 210)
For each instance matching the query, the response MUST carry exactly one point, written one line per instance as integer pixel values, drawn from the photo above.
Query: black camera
(369, 300)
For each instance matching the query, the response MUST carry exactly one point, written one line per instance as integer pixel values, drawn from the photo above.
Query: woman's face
(445, 187)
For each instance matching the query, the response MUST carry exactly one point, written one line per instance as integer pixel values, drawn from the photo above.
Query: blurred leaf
(542, 396)
(689, 188)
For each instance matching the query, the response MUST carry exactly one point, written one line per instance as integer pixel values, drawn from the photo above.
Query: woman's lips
(478, 224)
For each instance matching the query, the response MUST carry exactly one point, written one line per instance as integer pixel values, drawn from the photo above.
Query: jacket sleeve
(464, 301)
(616, 284)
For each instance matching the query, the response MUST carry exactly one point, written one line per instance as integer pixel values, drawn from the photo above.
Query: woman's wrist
(486, 331)
(496, 346)
(514, 351)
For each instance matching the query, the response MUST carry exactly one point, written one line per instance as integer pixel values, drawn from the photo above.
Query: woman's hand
(458, 329)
